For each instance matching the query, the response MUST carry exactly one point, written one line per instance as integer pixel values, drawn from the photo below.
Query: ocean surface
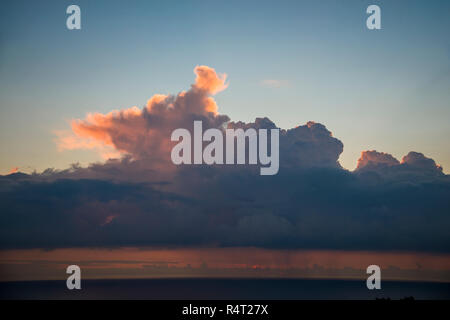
(227, 289)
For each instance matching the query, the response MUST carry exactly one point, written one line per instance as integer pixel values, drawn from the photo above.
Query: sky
(298, 61)
(87, 115)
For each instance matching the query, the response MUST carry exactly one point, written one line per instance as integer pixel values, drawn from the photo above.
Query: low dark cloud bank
(144, 200)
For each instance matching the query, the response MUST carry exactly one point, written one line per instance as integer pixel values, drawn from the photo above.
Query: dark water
(222, 289)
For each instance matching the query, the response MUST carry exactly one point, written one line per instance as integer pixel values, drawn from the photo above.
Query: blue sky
(386, 90)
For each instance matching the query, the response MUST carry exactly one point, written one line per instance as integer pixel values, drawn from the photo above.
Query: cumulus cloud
(309, 145)
(414, 166)
(145, 133)
(417, 160)
(374, 159)
(143, 199)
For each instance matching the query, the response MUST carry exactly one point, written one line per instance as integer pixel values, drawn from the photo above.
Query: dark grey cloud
(302, 207)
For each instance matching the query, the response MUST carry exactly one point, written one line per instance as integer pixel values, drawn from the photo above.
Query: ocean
(223, 289)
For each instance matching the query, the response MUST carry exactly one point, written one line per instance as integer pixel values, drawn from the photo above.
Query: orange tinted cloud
(145, 133)
(69, 141)
(14, 170)
(208, 80)
(375, 158)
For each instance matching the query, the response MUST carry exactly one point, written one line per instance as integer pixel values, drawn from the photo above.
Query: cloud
(14, 170)
(418, 161)
(414, 166)
(142, 199)
(373, 159)
(207, 80)
(309, 145)
(68, 141)
(145, 133)
(308, 208)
